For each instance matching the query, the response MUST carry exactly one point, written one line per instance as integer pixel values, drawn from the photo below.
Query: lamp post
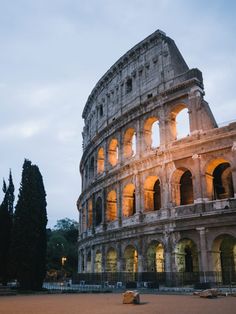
(63, 260)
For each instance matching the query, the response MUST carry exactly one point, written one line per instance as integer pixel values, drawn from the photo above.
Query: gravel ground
(112, 304)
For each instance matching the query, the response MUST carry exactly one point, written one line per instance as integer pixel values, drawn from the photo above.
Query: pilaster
(204, 265)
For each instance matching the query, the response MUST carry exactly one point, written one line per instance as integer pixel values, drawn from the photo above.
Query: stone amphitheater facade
(153, 201)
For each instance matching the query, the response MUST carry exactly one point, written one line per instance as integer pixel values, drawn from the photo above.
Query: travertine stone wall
(138, 199)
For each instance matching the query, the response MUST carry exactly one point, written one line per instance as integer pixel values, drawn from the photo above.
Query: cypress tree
(6, 220)
(29, 232)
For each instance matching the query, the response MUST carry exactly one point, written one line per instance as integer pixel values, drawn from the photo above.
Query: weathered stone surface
(209, 293)
(131, 297)
(142, 202)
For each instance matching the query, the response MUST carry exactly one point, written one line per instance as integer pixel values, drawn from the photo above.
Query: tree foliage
(6, 221)
(29, 242)
(62, 242)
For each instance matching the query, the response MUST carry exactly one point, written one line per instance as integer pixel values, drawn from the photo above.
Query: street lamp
(63, 260)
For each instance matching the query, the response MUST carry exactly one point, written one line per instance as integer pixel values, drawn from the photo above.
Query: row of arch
(151, 135)
(186, 257)
(182, 193)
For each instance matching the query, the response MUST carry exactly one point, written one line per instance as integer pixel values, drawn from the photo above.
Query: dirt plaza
(112, 303)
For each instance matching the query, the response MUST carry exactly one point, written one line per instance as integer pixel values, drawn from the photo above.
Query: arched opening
(224, 258)
(130, 259)
(133, 144)
(182, 187)
(152, 132)
(111, 210)
(222, 181)
(182, 123)
(90, 213)
(113, 152)
(88, 268)
(91, 168)
(219, 183)
(111, 261)
(157, 195)
(129, 143)
(152, 194)
(98, 211)
(98, 262)
(186, 256)
(100, 160)
(101, 110)
(129, 85)
(129, 207)
(155, 258)
(188, 259)
(186, 188)
(155, 135)
(179, 122)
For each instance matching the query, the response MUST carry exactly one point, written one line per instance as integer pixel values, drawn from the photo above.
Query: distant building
(152, 201)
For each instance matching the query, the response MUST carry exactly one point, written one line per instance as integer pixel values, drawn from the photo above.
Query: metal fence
(169, 279)
(164, 281)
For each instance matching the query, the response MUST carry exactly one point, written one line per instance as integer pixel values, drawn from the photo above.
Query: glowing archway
(100, 160)
(111, 210)
(182, 187)
(219, 183)
(179, 121)
(128, 202)
(152, 193)
(224, 258)
(186, 256)
(129, 144)
(111, 260)
(152, 132)
(155, 258)
(98, 262)
(130, 259)
(113, 152)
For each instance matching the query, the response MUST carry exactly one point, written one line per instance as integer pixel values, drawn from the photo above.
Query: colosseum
(158, 175)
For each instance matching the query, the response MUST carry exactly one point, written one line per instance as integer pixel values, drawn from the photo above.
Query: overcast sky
(54, 51)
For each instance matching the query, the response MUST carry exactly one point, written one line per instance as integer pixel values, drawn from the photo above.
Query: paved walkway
(112, 304)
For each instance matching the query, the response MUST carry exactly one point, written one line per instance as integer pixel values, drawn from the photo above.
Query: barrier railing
(163, 281)
(117, 279)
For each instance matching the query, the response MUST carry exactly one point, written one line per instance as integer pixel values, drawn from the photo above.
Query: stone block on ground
(209, 293)
(131, 297)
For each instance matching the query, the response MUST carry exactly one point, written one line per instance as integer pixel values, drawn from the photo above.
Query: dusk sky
(52, 54)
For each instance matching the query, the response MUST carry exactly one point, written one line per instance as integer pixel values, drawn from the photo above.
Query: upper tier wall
(148, 69)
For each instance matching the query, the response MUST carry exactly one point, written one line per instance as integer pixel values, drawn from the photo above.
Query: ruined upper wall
(148, 69)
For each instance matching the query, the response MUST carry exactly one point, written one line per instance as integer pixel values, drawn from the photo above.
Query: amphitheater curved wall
(150, 199)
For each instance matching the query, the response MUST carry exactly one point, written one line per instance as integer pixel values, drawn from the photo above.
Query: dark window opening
(98, 211)
(91, 168)
(82, 261)
(186, 189)
(157, 195)
(134, 203)
(188, 260)
(222, 182)
(129, 85)
(101, 110)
